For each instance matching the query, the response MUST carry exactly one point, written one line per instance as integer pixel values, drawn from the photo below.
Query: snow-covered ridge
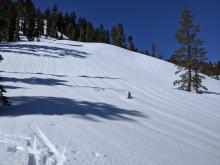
(70, 107)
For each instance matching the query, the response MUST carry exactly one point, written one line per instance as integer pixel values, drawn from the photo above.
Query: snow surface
(69, 106)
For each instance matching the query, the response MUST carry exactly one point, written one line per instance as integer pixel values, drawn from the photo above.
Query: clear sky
(149, 21)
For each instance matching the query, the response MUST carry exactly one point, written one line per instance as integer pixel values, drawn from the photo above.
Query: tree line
(21, 16)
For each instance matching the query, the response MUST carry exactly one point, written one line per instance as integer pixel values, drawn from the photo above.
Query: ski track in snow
(51, 150)
(40, 150)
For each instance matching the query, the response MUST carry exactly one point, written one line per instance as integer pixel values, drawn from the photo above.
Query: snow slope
(70, 107)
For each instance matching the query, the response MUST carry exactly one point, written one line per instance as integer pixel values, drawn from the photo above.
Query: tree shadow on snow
(55, 82)
(208, 92)
(65, 106)
(37, 73)
(36, 81)
(73, 45)
(97, 88)
(11, 87)
(99, 77)
(42, 51)
(203, 92)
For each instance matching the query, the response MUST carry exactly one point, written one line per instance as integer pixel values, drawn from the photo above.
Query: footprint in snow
(56, 125)
(11, 149)
(99, 155)
(15, 149)
(76, 154)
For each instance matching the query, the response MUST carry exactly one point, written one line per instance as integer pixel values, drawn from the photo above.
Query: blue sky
(149, 21)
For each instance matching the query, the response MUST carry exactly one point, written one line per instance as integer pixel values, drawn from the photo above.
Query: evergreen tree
(147, 52)
(13, 30)
(70, 26)
(3, 99)
(82, 24)
(5, 6)
(197, 82)
(102, 35)
(190, 55)
(199, 57)
(90, 33)
(107, 37)
(8, 21)
(53, 30)
(118, 36)
(9, 25)
(207, 68)
(174, 59)
(114, 36)
(30, 15)
(47, 17)
(20, 9)
(66, 21)
(154, 50)
(131, 45)
(217, 71)
(39, 31)
(60, 24)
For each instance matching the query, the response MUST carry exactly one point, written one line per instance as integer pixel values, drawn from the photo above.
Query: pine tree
(102, 35)
(118, 36)
(154, 50)
(200, 57)
(13, 29)
(107, 37)
(3, 98)
(218, 70)
(114, 36)
(47, 17)
(174, 59)
(90, 33)
(30, 15)
(20, 9)
(9, 25)
(131, 45)
(53, 30)
(60, 24)
(147, 52)
(70, 26)
(5, 6)
(190, 55)
(82, 24)
(207, 68)
(39, 31)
